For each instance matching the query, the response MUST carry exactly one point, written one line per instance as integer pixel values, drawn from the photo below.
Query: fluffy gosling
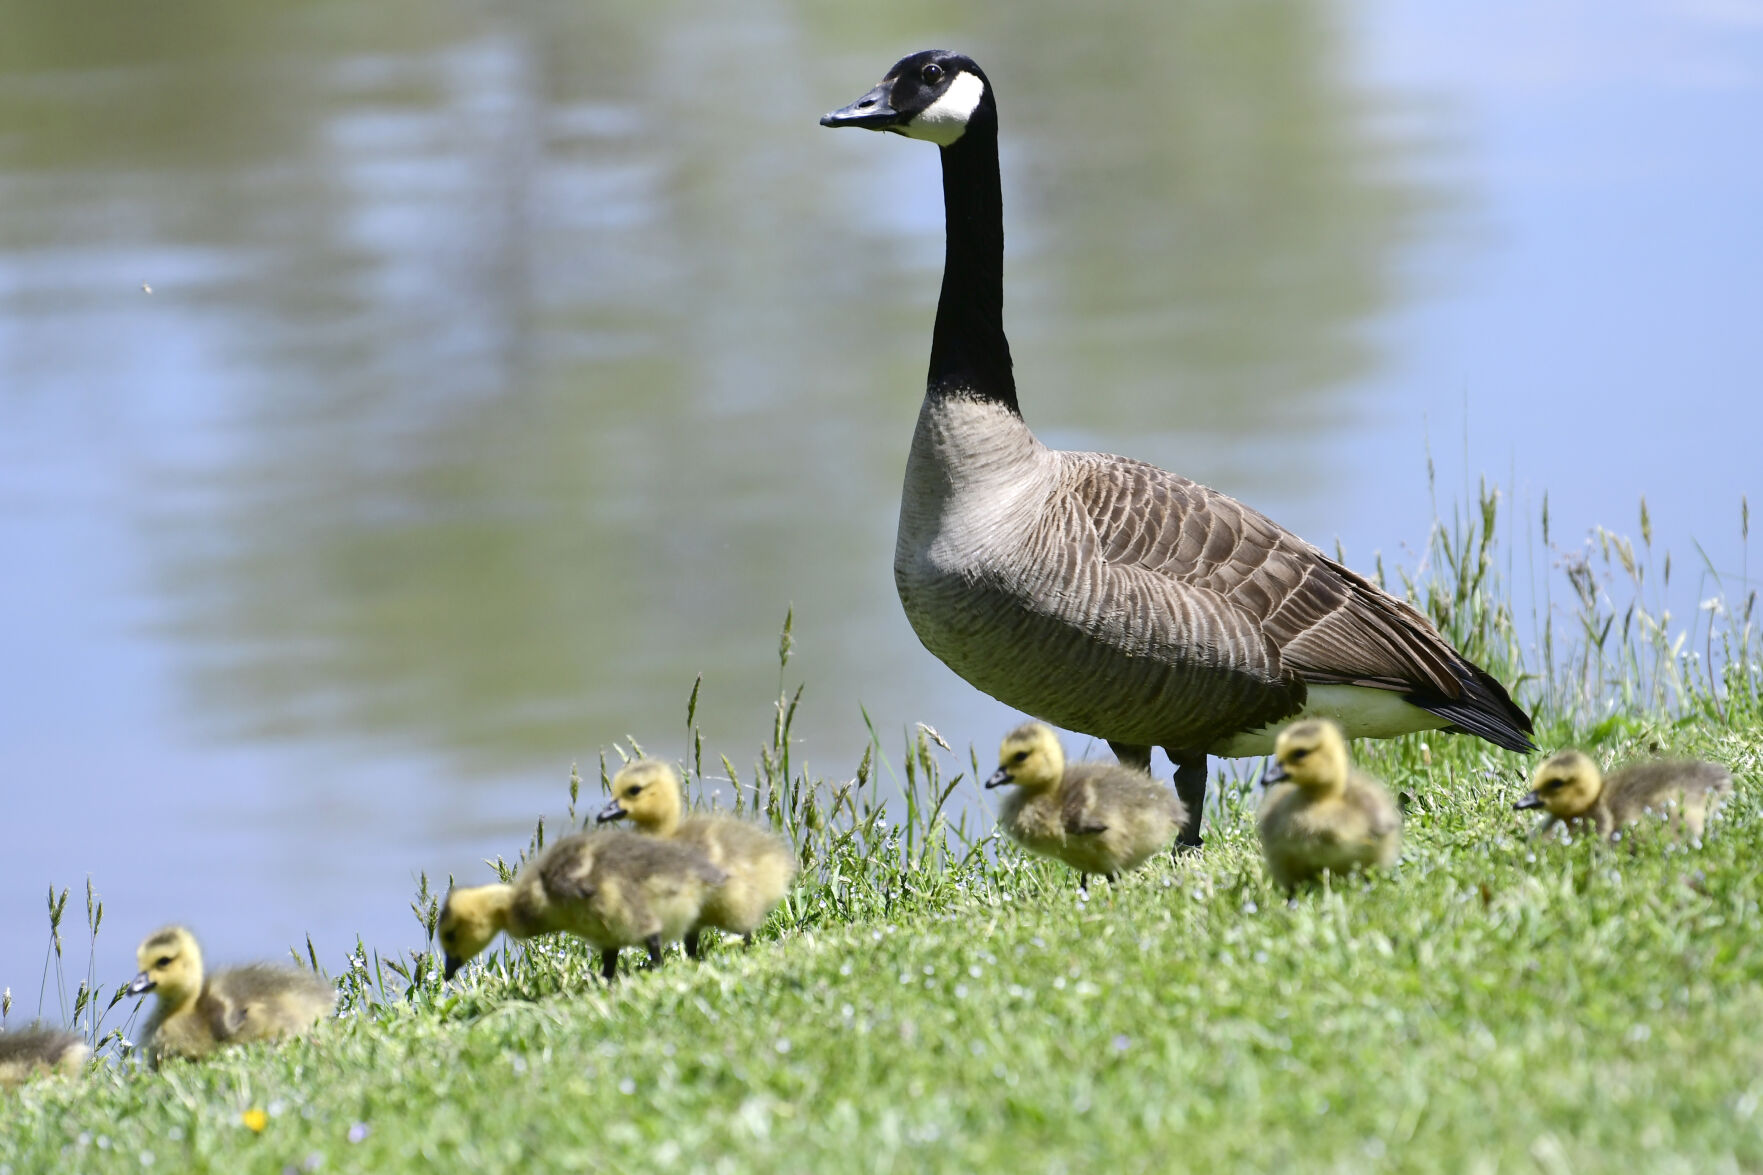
(760, 865)
(194, 1013)
(37, 1049)
(1321, 815)
(1577, 795)
(1096, 817)
(614, 889)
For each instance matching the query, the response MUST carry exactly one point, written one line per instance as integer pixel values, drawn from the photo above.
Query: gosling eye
(1555, 785)
(1019, 757)
(931, 73)
(162, 961)
(634, 792)
(1298, 755)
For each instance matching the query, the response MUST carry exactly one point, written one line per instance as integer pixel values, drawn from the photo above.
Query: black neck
(969, 355)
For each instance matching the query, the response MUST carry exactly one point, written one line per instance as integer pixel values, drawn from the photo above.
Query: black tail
(1483, 709)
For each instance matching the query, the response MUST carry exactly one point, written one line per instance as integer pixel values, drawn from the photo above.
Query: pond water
(400, 403)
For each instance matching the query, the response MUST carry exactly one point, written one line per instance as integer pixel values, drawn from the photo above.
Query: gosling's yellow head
(1030, 757)
(1567, 783)
(1311, 754)
(470, 918)
(171, 966)
(648, 791)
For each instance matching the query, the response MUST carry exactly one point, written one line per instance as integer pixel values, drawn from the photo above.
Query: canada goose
(38, 1048)
(1574, 791)
(1096, 817)
(1102, 594)
(194, 1013)
(614, 889)
(1322, 815)
(760, 865)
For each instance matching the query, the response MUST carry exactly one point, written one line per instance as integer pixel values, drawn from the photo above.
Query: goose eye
(1298, 755)
(1555, 785)
(931, 73)
(1019, 757)
(163, 961)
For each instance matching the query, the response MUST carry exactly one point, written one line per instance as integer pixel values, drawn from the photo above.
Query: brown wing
(1319, 621)
(566, 869)
(1077, 809)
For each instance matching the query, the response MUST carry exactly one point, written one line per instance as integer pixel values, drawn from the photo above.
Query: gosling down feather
(195, 1013)
(37, 1049)
(1576, 794)
(759, 864)
(1322, 815)
(1096, 817)
(1103, 594)
(612, 888)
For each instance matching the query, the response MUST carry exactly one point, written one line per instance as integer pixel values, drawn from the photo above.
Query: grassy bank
(929, 999)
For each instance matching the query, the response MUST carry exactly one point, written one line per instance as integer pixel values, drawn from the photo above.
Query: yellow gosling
(194, 1013)
(1321, 815)
(760, 865)
(1095, 817)
(37, 1049)
(1578, 796)
(612, 888)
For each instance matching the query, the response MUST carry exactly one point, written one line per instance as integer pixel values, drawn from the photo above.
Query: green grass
(931, 1000)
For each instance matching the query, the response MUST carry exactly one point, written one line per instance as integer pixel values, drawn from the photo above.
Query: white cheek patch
(945, 120)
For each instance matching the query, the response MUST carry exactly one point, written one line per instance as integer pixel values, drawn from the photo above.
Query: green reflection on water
(528, 363)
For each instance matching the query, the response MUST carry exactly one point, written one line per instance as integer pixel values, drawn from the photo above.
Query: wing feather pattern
(1258, 600)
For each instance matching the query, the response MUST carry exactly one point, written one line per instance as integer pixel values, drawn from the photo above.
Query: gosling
(1576, 794)
(37, 1049)
(614, 889)
(760, 865)
(1321, 815)
(1095, 817)
(195, 1013)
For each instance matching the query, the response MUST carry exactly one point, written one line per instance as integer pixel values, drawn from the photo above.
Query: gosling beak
(1531, 801)
(610, 812)
(451, 967)
(872, 112)
(998, 778)
(141, 985)
(1275, 773)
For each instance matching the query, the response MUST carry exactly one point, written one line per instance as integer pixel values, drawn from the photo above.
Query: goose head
(647, 791)
(171, 966)
(1030, 757)
(470, 918)
(1567, 784)
(1311, 754)
(935, 95)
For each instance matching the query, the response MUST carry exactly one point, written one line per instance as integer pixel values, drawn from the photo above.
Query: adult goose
(1102, 594)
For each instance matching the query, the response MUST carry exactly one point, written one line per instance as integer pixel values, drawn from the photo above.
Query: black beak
(1531, 801)
(1275, 773)
(610, 812)
(451, 967)
(872, 112)
(141, 985)
(999, 778)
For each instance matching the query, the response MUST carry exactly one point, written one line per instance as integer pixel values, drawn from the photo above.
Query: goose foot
(609, 966)
(691, 944)
(654, 944)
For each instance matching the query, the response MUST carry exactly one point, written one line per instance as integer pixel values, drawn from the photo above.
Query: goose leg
(654, 944)
(747, 940)
(1130, 755)
(609, 965)
(1190, 785)
(692, 943)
